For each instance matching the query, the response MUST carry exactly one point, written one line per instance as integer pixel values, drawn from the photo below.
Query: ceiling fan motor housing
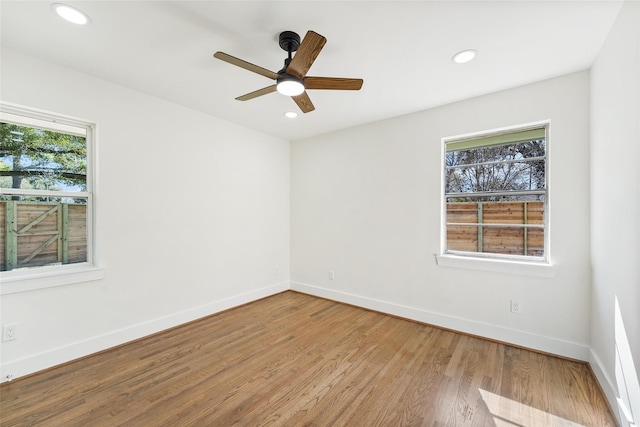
(289, 41)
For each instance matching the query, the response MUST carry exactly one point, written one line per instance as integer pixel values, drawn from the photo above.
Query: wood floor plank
(292, 360)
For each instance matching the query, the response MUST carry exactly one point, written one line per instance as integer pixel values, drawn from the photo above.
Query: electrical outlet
(516, 307)
(331, 275)
(10, 332)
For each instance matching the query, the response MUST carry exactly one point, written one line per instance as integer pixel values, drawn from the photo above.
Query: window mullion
(494, 162)
(44, 193)
(497, 193)
(491, 224)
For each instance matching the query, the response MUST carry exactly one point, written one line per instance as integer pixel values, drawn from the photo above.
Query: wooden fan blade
(257, 93)
(246, 65)
(307, 52)
(304, 102)
(332, 83)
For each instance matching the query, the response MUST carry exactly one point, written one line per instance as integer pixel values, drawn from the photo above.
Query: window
(495, 195)
(45, 194)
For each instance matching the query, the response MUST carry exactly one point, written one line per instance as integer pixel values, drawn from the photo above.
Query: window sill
(497, 265)
(48, 277)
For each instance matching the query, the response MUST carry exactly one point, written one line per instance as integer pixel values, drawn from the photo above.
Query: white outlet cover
(516, 307)
(9, 332)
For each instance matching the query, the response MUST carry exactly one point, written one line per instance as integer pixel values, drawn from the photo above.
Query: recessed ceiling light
(71, 14)
(291, 114)
(464, 56)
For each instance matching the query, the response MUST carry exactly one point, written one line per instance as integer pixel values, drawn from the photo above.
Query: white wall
(615, 190)
(192, 217)
(365, 203)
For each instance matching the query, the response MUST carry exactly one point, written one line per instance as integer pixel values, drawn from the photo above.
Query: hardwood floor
(293, 359)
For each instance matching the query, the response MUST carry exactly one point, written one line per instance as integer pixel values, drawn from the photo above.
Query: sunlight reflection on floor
(507, 412)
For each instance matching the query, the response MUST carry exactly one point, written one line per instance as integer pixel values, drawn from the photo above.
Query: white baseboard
(37, 362)
(608, 387)
(494, 332)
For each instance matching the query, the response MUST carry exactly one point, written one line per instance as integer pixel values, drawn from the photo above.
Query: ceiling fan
(292, 79)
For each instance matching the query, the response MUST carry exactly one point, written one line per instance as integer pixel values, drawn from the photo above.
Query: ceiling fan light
(71, 14)
(290, 86)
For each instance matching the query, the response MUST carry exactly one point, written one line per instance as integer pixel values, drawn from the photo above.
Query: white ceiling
(402, 50)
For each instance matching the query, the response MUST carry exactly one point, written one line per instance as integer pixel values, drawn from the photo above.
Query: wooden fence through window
(501, 227)
(40, 233)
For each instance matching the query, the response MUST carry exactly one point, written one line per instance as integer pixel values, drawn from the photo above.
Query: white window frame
(28, 279)
(504, 263)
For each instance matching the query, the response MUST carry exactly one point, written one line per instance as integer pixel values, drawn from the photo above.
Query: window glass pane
(512, 176)
(39, 159)
(495, 193)
(44, 191)
(42, 232)
(504, 168)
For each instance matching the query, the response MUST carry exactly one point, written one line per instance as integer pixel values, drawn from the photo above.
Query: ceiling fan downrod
(289, 41)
